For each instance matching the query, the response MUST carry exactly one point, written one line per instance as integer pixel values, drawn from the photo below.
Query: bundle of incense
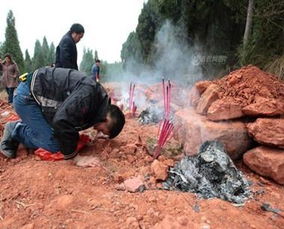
(132, 106)
(164, 135)
(166, 126)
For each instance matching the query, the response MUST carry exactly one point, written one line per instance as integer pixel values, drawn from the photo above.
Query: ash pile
(211, 173)
(151, 115)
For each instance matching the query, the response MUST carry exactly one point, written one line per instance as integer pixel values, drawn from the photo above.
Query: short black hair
(77, 28)
(117, 120)
(98, 61)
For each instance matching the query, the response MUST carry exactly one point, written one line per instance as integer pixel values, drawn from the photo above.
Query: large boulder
(193, 129)
(193, 97)
(264, 107)
(268, 131)
(202, 85)
(267, 162)
(224, 109)
(207, 98)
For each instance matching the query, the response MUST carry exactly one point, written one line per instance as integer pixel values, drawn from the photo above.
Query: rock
(201, 86)
(224, 109)
(264, 107)
(28, 226)
(268, 131)
(193, 97)
(265, 161)
(132, 222)
(87, 161)
(160, 170)
(135, 184)
(193, 129)
(207, 98)
(120, 187)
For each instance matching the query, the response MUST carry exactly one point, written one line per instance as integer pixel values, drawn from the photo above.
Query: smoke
(172, 58)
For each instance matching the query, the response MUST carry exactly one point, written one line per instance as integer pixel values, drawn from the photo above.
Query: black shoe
(8, 145)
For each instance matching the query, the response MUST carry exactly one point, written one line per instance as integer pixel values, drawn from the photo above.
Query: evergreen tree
(11, 44)
(45, 51)
(51, 54)
(96, 55)
(1, 50)
(87, 61)
(38, 58)
(28, 62)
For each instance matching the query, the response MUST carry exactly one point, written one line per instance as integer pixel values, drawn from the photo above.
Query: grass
(276, 67)
(170, 149)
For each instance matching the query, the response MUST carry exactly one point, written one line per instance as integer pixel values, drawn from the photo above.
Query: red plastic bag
(48, 156)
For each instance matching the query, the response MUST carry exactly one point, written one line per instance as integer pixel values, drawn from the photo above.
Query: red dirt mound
(248, 83)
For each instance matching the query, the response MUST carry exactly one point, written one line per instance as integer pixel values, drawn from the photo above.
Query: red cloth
(48, 156)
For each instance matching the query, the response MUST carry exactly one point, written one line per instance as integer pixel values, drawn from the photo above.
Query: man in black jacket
(66, 51)
(54, 104)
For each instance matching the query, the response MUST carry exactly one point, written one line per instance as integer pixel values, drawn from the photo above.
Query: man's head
(113, 124)
(98, 62)
(77, 32)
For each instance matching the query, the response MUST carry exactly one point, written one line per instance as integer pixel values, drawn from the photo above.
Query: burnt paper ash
(150, 115)
(210, 174)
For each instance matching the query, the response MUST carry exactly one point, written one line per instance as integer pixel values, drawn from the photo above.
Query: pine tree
(38, 58)
(51, 54)
(1, 50)
(87, 61)
(28, 62)
(96, 55)
(11, 44)
(45, 51)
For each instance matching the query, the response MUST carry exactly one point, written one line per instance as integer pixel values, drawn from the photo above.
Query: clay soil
(42, 194)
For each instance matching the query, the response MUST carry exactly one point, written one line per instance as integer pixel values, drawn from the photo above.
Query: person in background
(66, 51)
(10, 76)
(96, 71)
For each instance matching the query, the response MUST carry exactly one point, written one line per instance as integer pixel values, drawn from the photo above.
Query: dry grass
(276, 67)
(3, 95)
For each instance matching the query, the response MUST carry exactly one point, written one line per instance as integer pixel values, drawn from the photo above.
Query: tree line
(44, 52)
(245, 31)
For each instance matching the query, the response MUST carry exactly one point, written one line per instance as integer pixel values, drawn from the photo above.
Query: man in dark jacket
(66, 51)
(54, 104)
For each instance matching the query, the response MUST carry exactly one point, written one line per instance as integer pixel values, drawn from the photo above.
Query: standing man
(96, 71)
(66, 51)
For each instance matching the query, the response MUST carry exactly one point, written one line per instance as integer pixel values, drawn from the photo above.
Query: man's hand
(86, 161)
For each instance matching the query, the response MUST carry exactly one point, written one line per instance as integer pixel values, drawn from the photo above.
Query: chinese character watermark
(213, 59)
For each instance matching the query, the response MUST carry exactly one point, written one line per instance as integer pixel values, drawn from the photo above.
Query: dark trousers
(10, 92)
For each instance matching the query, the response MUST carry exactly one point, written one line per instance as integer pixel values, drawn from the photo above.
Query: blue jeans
(10, 92)
(33, 131)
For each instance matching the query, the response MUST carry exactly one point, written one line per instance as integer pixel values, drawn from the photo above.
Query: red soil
(41, 194)
(247, 83)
